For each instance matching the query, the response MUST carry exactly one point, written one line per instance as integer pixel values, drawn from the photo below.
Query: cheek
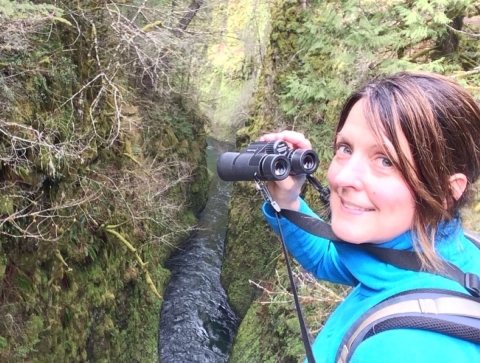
(331, 173)
(395, 196)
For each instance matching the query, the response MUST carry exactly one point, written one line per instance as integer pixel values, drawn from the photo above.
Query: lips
(354, 207)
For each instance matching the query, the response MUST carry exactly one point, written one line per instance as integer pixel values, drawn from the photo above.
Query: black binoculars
(266, 161)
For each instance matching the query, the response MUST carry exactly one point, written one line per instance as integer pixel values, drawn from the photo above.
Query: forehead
(364, 126)
(359, 129)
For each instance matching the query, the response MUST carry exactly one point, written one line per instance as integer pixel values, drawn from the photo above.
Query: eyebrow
(341, 137)
(382, 145)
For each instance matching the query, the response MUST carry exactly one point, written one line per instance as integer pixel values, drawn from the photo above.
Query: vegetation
(105, 108)
(318, 53)
(233, 61)
(102, 171)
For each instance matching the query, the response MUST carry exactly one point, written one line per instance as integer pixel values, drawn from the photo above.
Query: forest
(105, 111)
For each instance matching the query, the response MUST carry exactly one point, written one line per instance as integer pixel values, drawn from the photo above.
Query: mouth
(354, 207)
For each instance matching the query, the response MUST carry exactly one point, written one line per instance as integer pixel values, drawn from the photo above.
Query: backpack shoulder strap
(443, 311)
(473, 237)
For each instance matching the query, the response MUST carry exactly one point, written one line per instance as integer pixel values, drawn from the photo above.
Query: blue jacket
(374, 281)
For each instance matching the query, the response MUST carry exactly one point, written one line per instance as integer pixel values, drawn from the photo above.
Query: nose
(351, 173)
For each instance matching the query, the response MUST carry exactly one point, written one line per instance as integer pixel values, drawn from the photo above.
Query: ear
(458, 183)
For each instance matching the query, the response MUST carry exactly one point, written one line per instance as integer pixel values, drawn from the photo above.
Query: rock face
(102, 173)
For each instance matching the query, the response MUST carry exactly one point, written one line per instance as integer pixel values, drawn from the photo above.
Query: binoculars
(266, 161)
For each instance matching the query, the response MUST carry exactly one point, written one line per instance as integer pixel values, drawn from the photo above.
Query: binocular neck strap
(262, 188)
(303, 327)
(407, 260)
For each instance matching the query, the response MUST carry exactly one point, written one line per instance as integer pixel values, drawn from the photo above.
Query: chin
(349, 235)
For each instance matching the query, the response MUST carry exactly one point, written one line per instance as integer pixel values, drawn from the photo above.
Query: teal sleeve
(317, 255)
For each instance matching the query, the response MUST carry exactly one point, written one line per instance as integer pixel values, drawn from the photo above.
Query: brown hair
(441, 123)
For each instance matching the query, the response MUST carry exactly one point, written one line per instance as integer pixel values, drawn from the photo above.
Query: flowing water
(196, 323)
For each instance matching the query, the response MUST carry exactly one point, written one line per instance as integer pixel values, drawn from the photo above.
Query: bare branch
(470, 35)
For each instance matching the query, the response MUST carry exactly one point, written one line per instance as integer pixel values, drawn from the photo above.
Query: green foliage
(78, 152)
(273, 318)
(343, 44)
(318, 54)
(250, 249)
(229, 70)
(15, 10)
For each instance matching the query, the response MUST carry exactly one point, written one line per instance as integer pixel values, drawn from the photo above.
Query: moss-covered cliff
(102, 172)
(318, 53)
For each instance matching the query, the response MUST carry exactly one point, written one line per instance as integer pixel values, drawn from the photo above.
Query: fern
(343, 43)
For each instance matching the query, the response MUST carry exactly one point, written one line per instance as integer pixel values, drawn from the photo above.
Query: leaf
(441, 18)
(62, 20)
(150, 26)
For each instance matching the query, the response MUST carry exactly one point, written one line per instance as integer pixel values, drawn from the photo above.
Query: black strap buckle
(472, 284)
(262, 188)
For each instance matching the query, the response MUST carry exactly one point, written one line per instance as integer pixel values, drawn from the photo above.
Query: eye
(342, 149)
(385, 162)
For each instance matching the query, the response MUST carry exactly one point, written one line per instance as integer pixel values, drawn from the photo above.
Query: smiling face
(370, 200)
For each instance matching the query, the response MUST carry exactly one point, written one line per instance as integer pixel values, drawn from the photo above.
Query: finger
(285, 184)
(270, 137)
(296, 139)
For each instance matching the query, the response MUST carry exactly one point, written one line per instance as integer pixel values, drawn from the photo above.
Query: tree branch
(470, 35)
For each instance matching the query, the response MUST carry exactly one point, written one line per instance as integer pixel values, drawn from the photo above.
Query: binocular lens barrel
(232, 166)
(275, 167)
(303, 161)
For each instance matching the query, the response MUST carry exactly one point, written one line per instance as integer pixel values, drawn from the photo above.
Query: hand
(285, 192)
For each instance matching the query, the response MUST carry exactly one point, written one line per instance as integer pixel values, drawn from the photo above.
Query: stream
(196, 322)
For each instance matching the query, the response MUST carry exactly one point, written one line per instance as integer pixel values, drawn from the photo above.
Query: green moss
(247, 347)
(70, 292)
(251, 247)
(6, 205)
(3, 264)
(280, 336)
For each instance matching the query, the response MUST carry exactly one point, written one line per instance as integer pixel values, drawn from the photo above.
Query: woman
(406, 158)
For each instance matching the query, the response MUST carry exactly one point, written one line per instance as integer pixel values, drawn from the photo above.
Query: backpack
(448, 312)
(444, 311)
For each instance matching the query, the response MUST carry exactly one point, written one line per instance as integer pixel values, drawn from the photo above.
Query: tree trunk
(449, 43)
(187, 18)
